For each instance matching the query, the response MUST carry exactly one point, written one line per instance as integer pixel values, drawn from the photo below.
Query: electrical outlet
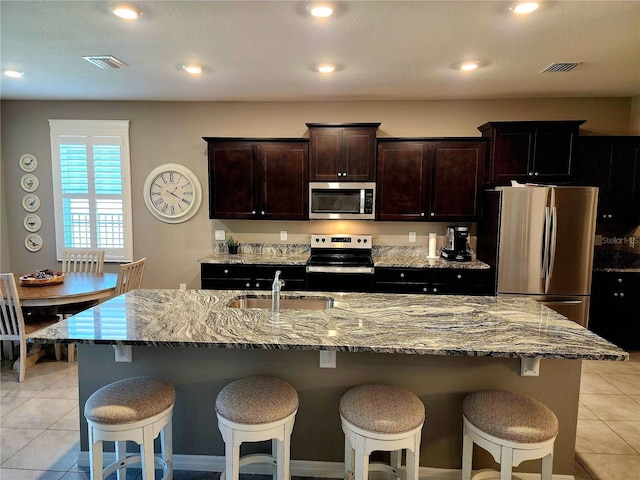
(412, 237)
(183, 286)
(219, 235)
(283, 234)
(327, 359)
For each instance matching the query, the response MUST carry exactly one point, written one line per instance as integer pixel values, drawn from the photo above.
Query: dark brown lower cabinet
(615, 303)
(449, 281)
(215, 276)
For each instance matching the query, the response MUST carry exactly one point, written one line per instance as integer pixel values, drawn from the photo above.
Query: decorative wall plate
(172, 193)
(32, 222)
(28, 162)
(31, 202)
(29, 182)
(33, 242)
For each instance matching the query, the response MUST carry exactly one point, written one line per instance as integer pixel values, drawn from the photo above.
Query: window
(92, 187)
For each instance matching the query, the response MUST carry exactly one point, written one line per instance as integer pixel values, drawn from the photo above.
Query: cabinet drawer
(461, 281)
(607, 283)
(402, 275)
(401, 287)
(221, 271)
(225, 283)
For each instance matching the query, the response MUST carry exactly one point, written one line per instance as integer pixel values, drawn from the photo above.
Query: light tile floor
(39, 425)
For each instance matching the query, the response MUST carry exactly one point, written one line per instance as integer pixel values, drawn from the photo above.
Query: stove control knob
(365, 240)
(359, 240)
(317, 240)
(324, 240)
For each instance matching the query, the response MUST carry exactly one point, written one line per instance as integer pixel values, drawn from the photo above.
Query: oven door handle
(323, 269)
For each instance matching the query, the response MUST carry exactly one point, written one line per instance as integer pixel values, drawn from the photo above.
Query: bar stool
(254, 409)
(511, 427)
(136, 409)
(381, 417)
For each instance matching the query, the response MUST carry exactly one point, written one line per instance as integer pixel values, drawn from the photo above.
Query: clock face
(31, 202)
(172, 193)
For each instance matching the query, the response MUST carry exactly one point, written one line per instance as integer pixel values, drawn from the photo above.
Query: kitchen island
(440, 347)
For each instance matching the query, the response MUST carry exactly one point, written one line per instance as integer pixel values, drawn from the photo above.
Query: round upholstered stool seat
(255, 409)
(134, 409)
(510, 426)
(384, 418)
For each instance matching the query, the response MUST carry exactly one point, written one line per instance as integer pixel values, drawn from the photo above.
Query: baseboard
(302, 468)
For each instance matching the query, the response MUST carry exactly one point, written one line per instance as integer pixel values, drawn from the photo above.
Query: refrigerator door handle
(545, 243)
(553, 242)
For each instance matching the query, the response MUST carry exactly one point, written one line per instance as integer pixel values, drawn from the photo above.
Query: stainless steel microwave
(342, 200)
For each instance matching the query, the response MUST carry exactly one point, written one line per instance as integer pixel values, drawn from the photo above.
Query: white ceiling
(264, 50)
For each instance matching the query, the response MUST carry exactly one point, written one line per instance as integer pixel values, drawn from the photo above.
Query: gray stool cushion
(510, 416)
(382, 408)
(257, 400)
(129, 400)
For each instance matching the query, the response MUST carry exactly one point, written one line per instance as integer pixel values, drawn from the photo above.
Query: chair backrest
(90, 261)
(12, 320)
(130, 276)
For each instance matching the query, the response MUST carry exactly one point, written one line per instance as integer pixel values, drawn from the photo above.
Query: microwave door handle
(362, 192)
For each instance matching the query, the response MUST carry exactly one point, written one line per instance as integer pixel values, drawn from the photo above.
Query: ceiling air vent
(105, 61)
(561, 67)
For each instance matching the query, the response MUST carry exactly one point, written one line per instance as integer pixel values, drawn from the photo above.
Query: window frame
(61, 129)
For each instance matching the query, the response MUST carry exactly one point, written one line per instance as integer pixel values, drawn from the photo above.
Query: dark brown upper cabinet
(536, 151)
(342, 152)
(613, 165)
(264, 179)
(430, 179)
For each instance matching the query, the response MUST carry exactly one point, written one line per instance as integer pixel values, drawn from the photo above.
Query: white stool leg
(166, 444)
(231, 458)
(396, 457)
(282, 458)
(121, 455)
(506, 463)
(413, 460)
(547, 467)
(95, 456)
(147, 453)
(349, 455)
(361, 460)
(467, 456)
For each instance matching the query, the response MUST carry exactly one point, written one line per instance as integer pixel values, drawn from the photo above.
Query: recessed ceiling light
(127, 12)
(326, 68)
(468, 66)
(193, 69)
(524, 7)
(13, 73)
(320, 10)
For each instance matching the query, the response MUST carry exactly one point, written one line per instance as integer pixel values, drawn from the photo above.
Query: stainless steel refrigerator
(539, 240)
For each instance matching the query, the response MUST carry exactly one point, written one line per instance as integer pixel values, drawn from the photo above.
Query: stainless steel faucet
(275, 292)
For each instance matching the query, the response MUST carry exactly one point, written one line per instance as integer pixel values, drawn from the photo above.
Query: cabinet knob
(262, 212)
(402, 275)
(248, 285)
(619, 280)
(459, 276)
(536, 174)
(257, 284)
(622, 294)
(615, 294)
(339, 174)
(422, 214)
(531, 174)
(433, 214)
(226, 271)
(435, 290)
(609, 216)
(253, 212)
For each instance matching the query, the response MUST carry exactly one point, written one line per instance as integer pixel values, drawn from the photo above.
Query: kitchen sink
(286, 302)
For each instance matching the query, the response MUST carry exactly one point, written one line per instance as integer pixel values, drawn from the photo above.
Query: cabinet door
(325, 160)
(511, 154)
(457, 176)
(358, 154)
(403, 181)
(401, 280)
(283, 192)
(225, 276)
(232, 180)
(595, 171)
(553, 153)
(624, 191)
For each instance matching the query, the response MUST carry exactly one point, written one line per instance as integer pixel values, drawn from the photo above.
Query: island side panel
(441, 382)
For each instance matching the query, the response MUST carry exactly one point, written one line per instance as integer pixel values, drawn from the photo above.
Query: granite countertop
(383, 256)
(513, 327)
(609, 260)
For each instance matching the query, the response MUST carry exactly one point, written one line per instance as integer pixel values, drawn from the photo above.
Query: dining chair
(12, 324)
(130, 276)
(82, 260)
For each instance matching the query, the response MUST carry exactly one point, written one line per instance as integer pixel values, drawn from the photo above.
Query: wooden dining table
(77, 288)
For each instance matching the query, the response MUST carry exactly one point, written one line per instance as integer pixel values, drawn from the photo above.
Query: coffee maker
(457, 247)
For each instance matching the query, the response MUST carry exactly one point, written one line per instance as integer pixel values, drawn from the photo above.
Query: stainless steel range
(340, 263)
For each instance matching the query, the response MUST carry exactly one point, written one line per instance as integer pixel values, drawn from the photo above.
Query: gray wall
(163, 132)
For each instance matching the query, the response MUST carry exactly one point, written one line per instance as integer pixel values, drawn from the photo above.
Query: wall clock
(29, 182)
(31, 202)
(33, 242)
(172, 193)
(28, 162)
(32, 222)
